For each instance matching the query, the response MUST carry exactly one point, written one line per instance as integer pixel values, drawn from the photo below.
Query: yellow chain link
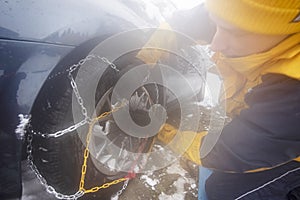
(86, 155)
(105, 185)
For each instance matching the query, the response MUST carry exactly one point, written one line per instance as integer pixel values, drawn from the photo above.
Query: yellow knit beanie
(274, 17)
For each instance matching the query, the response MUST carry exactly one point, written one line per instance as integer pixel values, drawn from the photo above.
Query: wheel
(112, 150)
(59, 160)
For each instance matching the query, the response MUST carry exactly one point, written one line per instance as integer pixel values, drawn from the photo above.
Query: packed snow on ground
(153, 181)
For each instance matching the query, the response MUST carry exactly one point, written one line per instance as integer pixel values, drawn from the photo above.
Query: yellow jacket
(238, 149)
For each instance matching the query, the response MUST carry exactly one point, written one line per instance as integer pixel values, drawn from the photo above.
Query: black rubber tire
(59, 160)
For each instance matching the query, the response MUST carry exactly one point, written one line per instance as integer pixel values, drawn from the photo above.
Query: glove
(186, 143)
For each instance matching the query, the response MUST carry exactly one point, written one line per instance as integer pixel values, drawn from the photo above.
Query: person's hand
(186, 143)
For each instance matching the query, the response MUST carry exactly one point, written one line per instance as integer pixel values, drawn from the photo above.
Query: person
(257, 52)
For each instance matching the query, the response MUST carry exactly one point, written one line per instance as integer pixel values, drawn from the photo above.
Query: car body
(36, 35)
(39, 40)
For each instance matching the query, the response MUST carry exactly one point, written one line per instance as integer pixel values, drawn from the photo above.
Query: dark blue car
(49, 50)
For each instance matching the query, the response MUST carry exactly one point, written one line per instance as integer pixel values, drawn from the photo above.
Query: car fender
(24, 69)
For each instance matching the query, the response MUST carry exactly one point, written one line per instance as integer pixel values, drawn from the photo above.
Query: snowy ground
(178, 181)
(175, 181)
(171, 183)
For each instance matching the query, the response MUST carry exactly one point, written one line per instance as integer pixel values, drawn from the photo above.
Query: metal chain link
(61, 132)
(75, 89)
(123, 188)
(80, 63)
(68, 130)
(112, 65)
(42, 180)
(78, 97)
(87, 120)
(72, 68)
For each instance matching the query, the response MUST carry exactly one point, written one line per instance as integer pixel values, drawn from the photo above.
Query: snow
(176, 169)
(151, 182)
(20, 130)
(175, 196)
(180, 185)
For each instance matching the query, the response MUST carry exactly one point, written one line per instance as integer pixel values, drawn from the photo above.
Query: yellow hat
(274, 17)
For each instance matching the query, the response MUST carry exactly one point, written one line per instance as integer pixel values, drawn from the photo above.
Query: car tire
(59, 160)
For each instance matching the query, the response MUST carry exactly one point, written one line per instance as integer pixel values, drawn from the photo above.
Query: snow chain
(86, 155)
(60, 133)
